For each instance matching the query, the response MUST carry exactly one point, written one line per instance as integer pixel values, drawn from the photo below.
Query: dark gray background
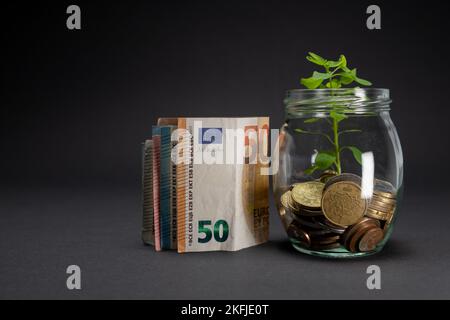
(77, 104)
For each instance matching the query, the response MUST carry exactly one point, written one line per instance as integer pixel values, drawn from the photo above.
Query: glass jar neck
(320, 102)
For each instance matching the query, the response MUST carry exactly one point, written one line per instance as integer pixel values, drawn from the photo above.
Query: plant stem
(336, 145)
(336, 137)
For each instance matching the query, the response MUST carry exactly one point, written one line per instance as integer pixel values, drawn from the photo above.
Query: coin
(363, 223)
(320, 233)
(380, 210)
(370, 239)
(353, 242)
(308, 194)
(384, 186)
(326, 175)
(380, 206)
(380, 215)
(384, 189)
(307, 223)
(342, 203)
(295, 232)
(309, 213)
(383, 200)
(292, 204)
(382, 203)
(387, 224)
(285, 199)
(324, 225)
(343, 177)
(332, 225)
(385, 195)
(324, 240)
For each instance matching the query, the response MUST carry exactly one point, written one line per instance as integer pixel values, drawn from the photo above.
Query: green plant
(337, 74)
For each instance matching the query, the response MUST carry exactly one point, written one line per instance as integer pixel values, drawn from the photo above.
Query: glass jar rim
(349, 100)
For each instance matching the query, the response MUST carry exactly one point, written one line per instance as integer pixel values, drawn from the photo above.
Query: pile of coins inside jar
(330, 212)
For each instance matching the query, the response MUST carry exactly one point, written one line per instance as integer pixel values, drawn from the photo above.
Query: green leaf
(312, 120)
(359, 80)
(363, 82)
(345, 80)
(349, 131)
(338, 71)
(314, 58)
(332, 64)
(311, 83)
(356, 153)
(324, 160)
(338, 116)
(321, 75)
(346, 77)
(314, 61)
(346, 69)
(343, 61)
(310, 170)
(334, 83)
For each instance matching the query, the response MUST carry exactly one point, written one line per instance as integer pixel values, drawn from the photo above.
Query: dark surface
(42, 232)
(76, 105)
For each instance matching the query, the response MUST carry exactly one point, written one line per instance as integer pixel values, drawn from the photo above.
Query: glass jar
(339, 183)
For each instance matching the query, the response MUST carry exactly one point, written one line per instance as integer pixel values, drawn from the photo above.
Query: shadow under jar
(339, 183)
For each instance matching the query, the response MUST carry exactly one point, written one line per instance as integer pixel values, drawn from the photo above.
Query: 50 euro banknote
(222, 193)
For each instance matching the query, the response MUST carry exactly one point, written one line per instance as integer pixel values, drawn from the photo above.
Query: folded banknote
(156, 164)
(222, 195)
(148, 228)
(167, 211)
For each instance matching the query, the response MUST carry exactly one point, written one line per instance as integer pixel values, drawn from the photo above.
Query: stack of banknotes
(204, 183)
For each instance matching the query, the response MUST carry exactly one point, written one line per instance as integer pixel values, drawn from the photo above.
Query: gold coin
(377, 214)
(308, 194)
(384, 188)
(388, 222)
(291, 203)
(385, 195)
(383, 205)
(326, 175)
(350, 177)
(285, 199)
(380, 212)
(342, 203)
(383, 199)
(377, 207)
